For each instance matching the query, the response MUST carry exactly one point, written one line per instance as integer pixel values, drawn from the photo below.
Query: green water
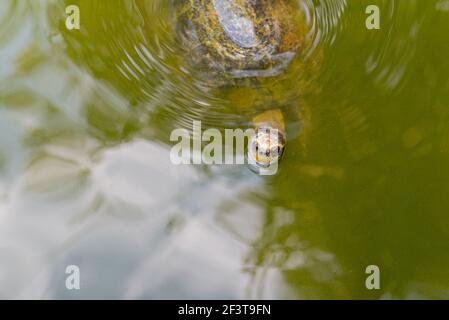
(86, 177)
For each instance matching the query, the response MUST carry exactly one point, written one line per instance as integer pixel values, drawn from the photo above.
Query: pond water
(86, 177)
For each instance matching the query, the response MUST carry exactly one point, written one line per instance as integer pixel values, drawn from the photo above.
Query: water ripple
(136, 49)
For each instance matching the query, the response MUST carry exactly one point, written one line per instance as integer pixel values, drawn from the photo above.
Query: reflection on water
(86, 179)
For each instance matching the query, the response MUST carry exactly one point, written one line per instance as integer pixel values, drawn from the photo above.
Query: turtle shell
(239, 38)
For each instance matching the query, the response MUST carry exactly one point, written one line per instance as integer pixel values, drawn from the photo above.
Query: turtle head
(266, 146)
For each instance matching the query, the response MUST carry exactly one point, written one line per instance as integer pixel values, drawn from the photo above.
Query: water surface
(86, 178)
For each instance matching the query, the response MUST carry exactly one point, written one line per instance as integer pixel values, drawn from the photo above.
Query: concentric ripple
(136, 50)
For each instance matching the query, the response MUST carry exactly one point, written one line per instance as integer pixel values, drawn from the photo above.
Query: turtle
(243, 48)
